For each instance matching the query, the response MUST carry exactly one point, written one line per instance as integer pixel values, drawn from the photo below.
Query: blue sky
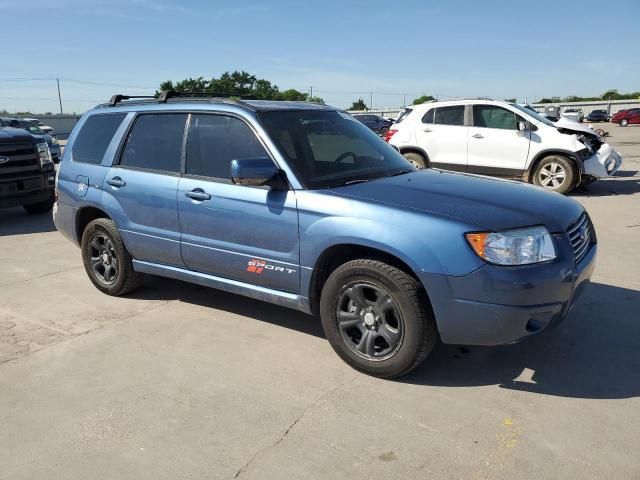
(344, 49)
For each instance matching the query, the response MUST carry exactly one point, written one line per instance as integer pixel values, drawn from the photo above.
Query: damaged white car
(503, 139)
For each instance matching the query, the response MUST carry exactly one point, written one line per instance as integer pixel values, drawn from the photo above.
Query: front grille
(581, 236)
(20, 157)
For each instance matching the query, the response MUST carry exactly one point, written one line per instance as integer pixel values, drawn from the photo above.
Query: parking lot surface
(181, 381)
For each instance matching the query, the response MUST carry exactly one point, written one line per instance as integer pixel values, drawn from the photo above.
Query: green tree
(358, 105)
(510, 100)
(237, 83)
(316, 100)
(422, 99)
(293, 95)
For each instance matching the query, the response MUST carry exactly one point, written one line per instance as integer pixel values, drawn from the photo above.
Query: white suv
(502, 139)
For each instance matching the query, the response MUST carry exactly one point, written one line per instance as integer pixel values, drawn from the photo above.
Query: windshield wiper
(357, 180)
(401, 172)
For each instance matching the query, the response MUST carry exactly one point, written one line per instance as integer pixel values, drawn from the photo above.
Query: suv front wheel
(555, 173)
(377, 318)
(106, 259)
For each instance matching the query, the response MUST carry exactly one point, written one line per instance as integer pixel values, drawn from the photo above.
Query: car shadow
(15, 221)
(622, 185)
(594, 353)
(157, 288)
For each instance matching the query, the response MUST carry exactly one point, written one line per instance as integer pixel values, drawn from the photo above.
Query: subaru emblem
(4, 159)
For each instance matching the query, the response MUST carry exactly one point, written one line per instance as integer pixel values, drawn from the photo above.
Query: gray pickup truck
(27, 175)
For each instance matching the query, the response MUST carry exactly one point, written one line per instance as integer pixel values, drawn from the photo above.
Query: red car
(626, 117)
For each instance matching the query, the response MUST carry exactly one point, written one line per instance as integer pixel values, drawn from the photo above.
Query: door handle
(477, 135)
(426, 130)
(198, 194)
(116, 182)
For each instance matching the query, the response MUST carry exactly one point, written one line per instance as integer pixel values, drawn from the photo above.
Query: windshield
(330, 149)
(534, 114)
(31, 128)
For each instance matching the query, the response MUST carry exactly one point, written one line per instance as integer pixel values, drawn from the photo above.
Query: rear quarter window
(94, 137)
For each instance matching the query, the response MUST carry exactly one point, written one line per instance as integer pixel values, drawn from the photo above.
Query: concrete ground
(179, 381)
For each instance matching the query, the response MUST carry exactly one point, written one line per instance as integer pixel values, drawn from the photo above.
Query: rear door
(235, 231)
(496, 146)
(634, 115)
(442, 134)
(141, 189)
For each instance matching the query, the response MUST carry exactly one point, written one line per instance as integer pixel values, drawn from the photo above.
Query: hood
(585, 133)
(488, 203)
(573, 126)
(9, 134)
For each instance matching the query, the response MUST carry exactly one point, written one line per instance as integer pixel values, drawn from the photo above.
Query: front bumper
(497, 305)
(25, 190)
(604, 163)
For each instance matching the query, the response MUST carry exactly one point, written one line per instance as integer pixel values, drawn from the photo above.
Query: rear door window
(94, 137)
(449, 115)
(155, 142)
(215, 140)
(491, 116)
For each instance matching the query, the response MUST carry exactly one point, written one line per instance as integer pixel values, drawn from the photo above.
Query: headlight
(522, 246)
(54, 141)
(44, 154)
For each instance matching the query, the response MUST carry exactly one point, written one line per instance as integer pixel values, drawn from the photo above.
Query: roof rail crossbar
(165, 95)
(116, 99)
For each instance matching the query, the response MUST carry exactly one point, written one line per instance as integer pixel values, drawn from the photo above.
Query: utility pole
(370, 100)
(310, 92)
(404, 99)
(59, 97)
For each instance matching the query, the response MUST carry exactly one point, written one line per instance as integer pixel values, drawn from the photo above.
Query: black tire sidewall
(409, 349)
(569, 167)
(103, 226)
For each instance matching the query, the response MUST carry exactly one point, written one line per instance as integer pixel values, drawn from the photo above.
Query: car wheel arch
(335, 255)
(571, 156)
(86, 215)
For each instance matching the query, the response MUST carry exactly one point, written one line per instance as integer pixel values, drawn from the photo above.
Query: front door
(233, 231)
(496, 146)
(442, 134)
(141, 189)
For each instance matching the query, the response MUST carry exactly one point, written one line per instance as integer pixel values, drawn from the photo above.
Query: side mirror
(522, 126)
(257, 172)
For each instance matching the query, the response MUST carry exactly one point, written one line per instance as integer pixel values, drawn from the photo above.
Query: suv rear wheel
(106, 259)
(416, 159)
(555, 173)
(377, 318)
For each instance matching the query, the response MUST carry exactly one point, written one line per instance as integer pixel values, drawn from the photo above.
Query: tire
(624, 122)
(587, 180)
(113, 274)
(40, 207)
(547, 174)
(383, 131)
(416, 159)
(374, 301)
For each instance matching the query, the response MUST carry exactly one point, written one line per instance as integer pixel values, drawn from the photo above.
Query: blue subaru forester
(301, 205)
